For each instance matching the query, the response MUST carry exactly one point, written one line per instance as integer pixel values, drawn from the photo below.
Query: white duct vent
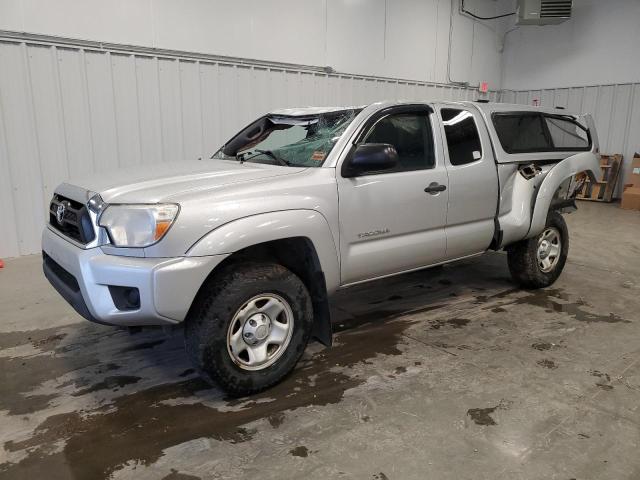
(543, 12)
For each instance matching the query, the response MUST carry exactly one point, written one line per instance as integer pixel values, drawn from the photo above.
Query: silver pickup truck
(246, 248)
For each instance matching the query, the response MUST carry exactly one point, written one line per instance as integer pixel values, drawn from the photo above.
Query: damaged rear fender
(586, 162)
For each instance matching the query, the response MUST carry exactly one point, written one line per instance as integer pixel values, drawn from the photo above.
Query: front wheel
(537, 262)
(248, 326)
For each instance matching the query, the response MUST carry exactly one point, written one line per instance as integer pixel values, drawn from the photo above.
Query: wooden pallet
(602, 190)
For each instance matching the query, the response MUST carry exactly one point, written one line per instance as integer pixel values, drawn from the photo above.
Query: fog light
(125, 298)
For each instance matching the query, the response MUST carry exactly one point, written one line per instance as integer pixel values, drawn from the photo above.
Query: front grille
(72, 219)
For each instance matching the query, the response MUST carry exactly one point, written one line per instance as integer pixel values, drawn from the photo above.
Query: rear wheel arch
(543, 202)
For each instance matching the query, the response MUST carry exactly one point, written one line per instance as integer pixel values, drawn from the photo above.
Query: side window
(567, 134)
(463, 140)
(522, 132)
(411, 135)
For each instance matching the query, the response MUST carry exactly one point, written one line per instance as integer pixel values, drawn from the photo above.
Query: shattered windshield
(296, 141)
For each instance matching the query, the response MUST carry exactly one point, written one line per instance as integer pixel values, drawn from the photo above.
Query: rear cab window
(527, 132)
(461, 132)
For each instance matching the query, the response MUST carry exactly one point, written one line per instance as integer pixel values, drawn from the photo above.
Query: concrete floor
(447, 374)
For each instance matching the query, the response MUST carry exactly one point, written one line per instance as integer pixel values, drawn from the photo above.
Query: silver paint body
(226, 206)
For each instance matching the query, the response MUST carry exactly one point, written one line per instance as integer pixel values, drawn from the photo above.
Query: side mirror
(371, 157)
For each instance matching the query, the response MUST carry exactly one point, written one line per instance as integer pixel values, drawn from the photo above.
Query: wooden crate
(602, 190)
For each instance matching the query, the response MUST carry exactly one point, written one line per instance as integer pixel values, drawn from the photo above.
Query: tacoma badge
(373, 233)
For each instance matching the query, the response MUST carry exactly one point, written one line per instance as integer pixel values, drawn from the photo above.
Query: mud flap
(322, 330)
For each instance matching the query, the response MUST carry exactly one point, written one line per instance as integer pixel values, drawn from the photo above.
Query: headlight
(137, 225)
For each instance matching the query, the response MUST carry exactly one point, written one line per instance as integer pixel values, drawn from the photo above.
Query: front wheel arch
(299, 255)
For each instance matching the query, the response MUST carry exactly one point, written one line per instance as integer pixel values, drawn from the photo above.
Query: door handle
(434, 188)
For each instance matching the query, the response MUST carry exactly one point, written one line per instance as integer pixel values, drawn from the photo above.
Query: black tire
(211, 314)
(523, 261)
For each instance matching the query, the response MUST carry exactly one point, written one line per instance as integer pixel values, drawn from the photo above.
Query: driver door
(393, 221)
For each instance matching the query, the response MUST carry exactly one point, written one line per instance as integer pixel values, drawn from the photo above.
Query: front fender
(265, 227)
(582, 162)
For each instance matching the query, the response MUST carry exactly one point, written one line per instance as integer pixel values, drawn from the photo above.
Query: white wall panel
(9, 234)
(390, 38)
(148, 95)
(125, 96)
(100, 91)
(615, 109)
(48, 117)
(69, 111)
(22, 150)
(75, 110)
(598, 45)
(170, 108)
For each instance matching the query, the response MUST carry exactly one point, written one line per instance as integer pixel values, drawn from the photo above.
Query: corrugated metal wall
(615, 109)
(77, 109)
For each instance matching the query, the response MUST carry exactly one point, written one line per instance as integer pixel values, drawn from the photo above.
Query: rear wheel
(537, 262)
(248, 326)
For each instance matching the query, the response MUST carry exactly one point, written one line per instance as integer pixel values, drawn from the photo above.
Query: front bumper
(167, 286)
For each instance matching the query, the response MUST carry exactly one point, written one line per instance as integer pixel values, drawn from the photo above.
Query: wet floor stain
(546, 363)
(19, 376)
(482, 416)
(450, 322)
(45, 339)
(300, 451)
(113, 383)
(481, 299)
(604, 382)
(554, 300)
(50, 339)
(446, 346)
(380, 476)
(144, 423)
(143, 346)
(392, 298)
(604, 386)
(599, 374)
(176, 475)
(276, 419)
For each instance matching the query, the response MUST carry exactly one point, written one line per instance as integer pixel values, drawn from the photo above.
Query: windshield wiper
(268, 153)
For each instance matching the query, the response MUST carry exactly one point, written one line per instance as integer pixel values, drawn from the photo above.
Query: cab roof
(486, 107)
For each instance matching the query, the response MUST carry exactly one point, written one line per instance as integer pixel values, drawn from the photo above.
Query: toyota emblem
(60, 213)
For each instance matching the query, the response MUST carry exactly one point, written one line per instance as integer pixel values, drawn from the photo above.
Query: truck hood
(168, 181)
